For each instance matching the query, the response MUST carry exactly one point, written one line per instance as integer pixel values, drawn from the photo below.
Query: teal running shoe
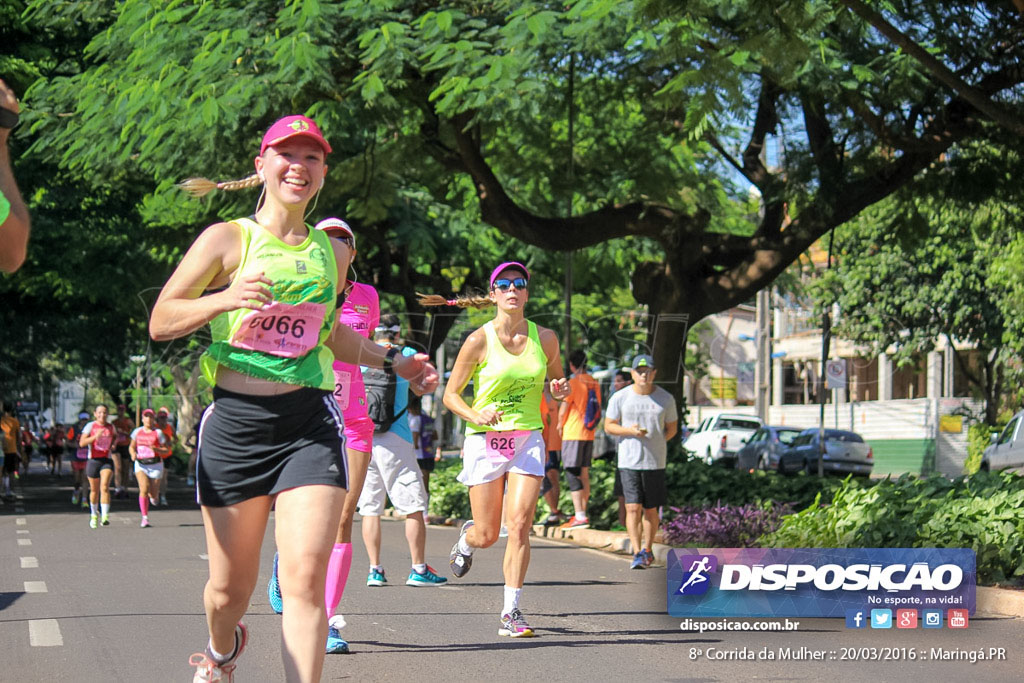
(427, 578)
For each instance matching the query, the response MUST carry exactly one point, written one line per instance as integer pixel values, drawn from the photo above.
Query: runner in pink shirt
(361, 312)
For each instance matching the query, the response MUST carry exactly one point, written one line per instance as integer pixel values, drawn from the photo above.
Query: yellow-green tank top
(285, 342)
(512, 384)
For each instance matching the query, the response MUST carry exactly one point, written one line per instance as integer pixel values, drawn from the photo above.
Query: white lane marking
(21, 521)
(44, 633)
(22, 531)
(24, 541)
(204, 557)
(35, 587)
(29, 563)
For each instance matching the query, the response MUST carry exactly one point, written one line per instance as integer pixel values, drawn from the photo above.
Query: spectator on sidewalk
(577, 418)
(12, 446)
(644, 416)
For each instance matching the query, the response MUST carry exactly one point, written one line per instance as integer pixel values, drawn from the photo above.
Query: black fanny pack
(148, 461)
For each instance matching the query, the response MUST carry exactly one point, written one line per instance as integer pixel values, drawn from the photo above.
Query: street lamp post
(138, 361)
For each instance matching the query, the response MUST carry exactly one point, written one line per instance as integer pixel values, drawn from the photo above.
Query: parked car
(1007, 449)
(719, 437)
(845, 453)
(762, 449)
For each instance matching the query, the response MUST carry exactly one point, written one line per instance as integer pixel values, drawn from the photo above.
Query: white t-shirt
(652, 412)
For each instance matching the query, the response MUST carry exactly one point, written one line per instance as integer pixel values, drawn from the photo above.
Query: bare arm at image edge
(14, 220)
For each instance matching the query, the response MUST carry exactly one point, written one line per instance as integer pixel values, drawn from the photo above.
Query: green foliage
(449, 498)
(984, 512)
(690, 483)
(979, 437)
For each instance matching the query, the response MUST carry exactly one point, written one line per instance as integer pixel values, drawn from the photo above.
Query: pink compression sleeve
(337, 575)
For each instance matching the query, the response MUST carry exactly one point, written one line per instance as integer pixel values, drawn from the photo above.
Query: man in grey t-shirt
(644, 415)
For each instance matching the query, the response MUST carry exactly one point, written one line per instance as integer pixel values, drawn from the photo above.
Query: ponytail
(460, 301)
(200, 187)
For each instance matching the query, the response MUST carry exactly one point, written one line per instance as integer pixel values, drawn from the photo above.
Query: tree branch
(497, 208)
(974, 96)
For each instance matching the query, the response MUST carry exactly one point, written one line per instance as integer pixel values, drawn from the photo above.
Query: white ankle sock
(511, 599)
(419, 568)
(581, 516)
(464, 547)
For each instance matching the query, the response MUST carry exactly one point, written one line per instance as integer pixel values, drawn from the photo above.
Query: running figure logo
(696, 580)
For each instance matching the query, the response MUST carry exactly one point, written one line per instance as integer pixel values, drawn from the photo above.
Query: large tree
(566, 125)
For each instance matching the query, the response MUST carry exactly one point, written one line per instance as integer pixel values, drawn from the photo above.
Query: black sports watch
(389, 360)
(8, 118)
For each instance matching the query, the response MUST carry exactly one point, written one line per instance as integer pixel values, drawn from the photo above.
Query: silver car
(1007, 449)
(845, 453)
(761, 451)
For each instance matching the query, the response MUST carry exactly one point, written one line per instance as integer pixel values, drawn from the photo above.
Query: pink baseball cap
(336, 226)
(148, 412)
(509, 264)
(292, 126)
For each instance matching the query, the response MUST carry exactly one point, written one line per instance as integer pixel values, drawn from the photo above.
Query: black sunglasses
(503, 284)
(347, 240)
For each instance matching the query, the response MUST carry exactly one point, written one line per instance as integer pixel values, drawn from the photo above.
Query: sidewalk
(991, 601)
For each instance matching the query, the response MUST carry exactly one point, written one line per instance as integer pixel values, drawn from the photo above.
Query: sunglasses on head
(346, 240)
(503, 284)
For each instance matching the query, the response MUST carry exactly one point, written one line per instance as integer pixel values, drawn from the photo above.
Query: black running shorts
(94, 466)
(253, 446)
(649, 488)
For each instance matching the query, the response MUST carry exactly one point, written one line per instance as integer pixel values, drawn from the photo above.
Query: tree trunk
(672, 313)
(186, 384)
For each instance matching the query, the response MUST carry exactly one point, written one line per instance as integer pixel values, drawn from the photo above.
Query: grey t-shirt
(652, 412)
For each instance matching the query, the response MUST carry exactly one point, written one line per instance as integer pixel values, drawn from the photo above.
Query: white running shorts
(392, 472)
(151, 471)
(481, 464)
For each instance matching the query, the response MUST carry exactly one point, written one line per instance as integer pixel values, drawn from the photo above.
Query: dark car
(761, 451)
(845, 453)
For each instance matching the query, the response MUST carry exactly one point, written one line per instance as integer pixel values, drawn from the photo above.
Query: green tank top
(285, 341)
(513, 384)
(5, 208)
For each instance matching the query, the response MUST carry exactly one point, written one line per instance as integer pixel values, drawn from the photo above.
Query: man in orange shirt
(577, 418)
(12, 446)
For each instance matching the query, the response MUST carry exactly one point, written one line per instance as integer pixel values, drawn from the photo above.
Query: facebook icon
(855, 618)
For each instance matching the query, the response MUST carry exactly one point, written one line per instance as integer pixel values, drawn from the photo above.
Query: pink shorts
(359, 434)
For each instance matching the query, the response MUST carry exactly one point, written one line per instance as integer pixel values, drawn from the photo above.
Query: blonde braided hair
(460, 301)
(200, 187)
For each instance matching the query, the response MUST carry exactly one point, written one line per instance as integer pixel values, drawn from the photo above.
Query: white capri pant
(392, 472)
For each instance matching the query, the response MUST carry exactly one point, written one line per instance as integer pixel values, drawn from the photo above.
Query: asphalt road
(122, 603)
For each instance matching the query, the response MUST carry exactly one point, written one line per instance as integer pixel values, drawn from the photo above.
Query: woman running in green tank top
(509, 360)
(268, 287)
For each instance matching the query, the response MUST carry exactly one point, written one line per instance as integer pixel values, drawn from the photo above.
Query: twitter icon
(881, 618)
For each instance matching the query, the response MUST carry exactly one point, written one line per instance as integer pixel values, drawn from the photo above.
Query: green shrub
(690, 483)
(984, 512)
(979, 436)
(449, 498)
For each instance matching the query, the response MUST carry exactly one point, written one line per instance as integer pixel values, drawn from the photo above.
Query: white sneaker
(163, 499)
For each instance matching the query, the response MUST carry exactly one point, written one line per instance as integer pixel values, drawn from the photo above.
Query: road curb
(990, 601)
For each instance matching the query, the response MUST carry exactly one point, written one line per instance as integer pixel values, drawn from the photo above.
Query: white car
(1007, 450)
(718, 438)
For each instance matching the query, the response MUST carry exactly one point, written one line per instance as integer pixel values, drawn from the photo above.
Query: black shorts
(95, 465)
(126, 455)
(617, 486)
(577, 453)
(646, 487)
(554, 461)
(252, 446)
(11, 462)
(426, 464)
